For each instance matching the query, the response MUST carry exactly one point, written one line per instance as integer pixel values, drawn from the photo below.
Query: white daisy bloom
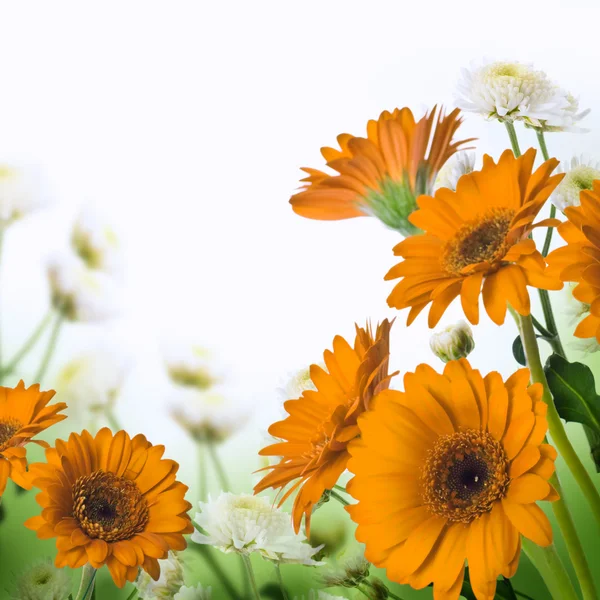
(580, 174)
(207, 416)
(91, 381)
(189, 365)
(21, 191)
(513, 91)
(246, 524)
(96, 242)
(167, 585)
(462, 163)
(194, 593)
(296, 384)
(80, 293)
(43, 581)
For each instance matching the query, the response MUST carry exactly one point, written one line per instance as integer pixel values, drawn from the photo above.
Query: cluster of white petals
(194, 593)
(246, 524)
(453, 342)
(43, 581)
(513, 91)
(460, 164)
(318, 595)
(167, 585)
(190, 365)
(82, 294)
(581, 172)
(21, 191)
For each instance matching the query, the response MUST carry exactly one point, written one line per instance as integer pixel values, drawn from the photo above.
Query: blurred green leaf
(271, 591)
(518, 352)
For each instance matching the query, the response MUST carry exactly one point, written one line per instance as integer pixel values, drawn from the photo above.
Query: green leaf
(518, 352)
(574, 391)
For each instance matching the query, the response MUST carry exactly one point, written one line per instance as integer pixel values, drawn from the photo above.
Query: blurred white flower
(43, 581)
(318, 595)
(96, 242)
(207, 416)
(80, 293)
(350, 571)
(190, 366)
(580, 174)
(21, 191)
(296, 384)
(194, 593)
(576, 311)
(512, 91)
(247, 524)
(460, 164)
(90, 382)
(453, 342)
(167, 585)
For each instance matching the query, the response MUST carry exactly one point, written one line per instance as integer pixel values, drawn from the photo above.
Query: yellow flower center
(465, 473)
(483, 240)
(8, 428)
(109, 507)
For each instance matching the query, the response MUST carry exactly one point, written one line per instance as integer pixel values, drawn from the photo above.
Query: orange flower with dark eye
(451, 470)
(321, 423)
(382, 174)
(23, 414)
(477, 241)
(110, 500)
(579, 260)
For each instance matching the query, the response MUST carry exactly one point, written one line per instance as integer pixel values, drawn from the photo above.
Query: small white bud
(453, 342)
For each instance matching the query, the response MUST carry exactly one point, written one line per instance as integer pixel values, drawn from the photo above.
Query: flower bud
(454, 342)
(43, 581)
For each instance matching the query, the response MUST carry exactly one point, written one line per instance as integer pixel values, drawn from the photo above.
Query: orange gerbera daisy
(479, 234)
(320, 424)
(110, 500)
(381, 174)
(451, 470)
(23, 414)
(579, 260)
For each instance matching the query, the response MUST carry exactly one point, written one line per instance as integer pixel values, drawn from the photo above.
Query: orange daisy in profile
(381, 174)
(315, 435)
(110, 500)
(451, 470)
(579, 260)
(23, 414)
(477, 240)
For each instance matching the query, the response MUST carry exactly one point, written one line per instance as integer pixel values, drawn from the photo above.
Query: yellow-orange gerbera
(478, 235)
(579, 260)
(23, 414)
(320, 424)
(110, 500)
(450, 470)
(383, 173)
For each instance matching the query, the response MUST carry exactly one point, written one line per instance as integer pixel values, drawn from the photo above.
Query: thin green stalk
(202, 487)
(222, 475)
(2, 229)
(224, 578)
(341, 500)
(514, 142)
(550, 230)
(50, 348)
(88, 577)
(362, 591)
(250, 572)
(526, 596)
(28, 345)
(390, 594)
(393, 596)
(550, 567)
(112, 419)
(341, 488)
(133, 594)
(566, 450)
(541, 329)
(280, 581)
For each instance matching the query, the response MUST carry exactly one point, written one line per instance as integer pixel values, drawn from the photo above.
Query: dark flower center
(8, 428)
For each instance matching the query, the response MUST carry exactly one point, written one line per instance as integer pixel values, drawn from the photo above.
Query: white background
(187, 122)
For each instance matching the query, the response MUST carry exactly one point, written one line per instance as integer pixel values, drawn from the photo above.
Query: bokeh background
(185, 123)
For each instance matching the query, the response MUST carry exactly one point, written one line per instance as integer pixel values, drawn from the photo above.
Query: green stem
(541, 328)
(566, 450)
(88, 577)
(133, 594)
(514, 142)
(550, 230)
(222, 475)
(554, 339)
(201, 470)
(363, 591)
(393, 596)
(112, 419)
(50, 349)
(280, 580)
(526, 596)
(341, 500)
(28, 345)
(341, 488)
(250, 572)
(224, 578)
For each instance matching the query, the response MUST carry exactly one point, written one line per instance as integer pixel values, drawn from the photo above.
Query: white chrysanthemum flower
(580, 174)
(43, 581)
(350, 571)
(297, 384)
(246, 524)
(194, 593)
(208, 416)
(318, 595)
(91, 382)
(96, 242)
(80, 293)
(21, 192)
(453, 342)
(512, 91)
(460, 164)
(191, 366)
(167, 585)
